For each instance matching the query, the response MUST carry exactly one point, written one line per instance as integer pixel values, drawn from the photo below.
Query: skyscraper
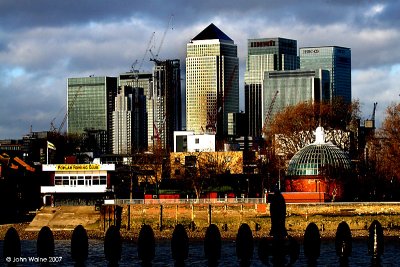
(335, 59)
(165, 112)
(212, 81)
(90, 103)
(129, 121)
(141, 80)
(264, 54)
(291, 87)
(162, 89)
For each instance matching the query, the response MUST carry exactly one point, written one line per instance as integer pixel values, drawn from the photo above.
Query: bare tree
(199, 168)
(293, 128)
(387, 144)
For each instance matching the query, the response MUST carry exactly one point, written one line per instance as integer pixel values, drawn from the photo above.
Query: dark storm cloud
(26, 13)
(43, 42)
(19, 15)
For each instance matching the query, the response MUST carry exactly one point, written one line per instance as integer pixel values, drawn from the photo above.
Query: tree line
(375, 153)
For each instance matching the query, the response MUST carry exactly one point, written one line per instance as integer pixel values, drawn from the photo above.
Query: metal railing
(236, 200)
(186, 201)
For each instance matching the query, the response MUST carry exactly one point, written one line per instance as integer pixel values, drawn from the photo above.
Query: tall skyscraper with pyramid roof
(212, 81)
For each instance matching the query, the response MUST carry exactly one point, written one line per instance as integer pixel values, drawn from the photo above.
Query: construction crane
(267, 120)
(370, 123)
(154, 57)
(53, 128)
(373, 111)
(214, 121)
(133, 67)
(158, 125)
(222, 97)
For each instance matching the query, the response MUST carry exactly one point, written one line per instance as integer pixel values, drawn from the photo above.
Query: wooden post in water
(245, 245)
(192, 225)
(114, 215)
(143, 215)
(179, 245)
(176, 214)
(103, 214)
(209, 214)
(45, 243)
(112, 246)
(161, 217)
(109, 215)
(212, 245)
(11, 246)
(146, 245)
(129, 217)
(79, 245)
(241, 212)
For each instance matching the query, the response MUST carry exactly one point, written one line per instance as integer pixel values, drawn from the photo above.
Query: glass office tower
(264, 54)
(335, 59)
(288, 88)
(212, 81)
(90, 103)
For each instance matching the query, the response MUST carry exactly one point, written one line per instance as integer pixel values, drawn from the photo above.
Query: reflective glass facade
(294, 87)
(337, 60)
(90, 103)
(264, 54)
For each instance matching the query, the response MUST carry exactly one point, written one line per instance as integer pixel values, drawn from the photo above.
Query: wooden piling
(176, 214)
(161, 217)
(129, 217)
(209, 214)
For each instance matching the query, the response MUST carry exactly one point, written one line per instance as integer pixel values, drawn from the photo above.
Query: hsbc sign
(310, 51)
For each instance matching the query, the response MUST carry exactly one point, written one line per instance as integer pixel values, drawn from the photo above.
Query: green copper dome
(319, 158)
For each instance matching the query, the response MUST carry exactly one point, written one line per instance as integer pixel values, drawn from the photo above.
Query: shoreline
(194, 236)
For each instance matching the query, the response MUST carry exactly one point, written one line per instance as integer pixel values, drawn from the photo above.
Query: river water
(196, 258)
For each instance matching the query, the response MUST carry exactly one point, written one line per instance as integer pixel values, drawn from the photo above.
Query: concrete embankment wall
(229, 217)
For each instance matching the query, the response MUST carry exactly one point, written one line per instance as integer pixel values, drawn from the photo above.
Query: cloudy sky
(44, 42)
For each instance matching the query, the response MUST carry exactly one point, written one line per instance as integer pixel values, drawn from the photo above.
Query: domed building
(320, 167)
